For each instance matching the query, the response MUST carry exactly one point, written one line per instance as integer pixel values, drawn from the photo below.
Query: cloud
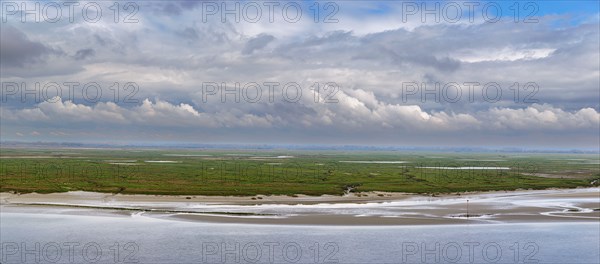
(148, 113)
(257, 43)
(189, 33)
(363, 112)
(367, 54)
(16, 49)
(542, 117)
(83, 54)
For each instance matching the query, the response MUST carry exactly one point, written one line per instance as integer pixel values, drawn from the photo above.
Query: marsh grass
(230, 172)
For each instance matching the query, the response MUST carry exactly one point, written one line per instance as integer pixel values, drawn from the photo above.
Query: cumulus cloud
(542, 117)
(350, 112)
(148, 113)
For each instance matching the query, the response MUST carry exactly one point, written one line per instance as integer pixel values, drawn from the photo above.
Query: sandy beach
(526, 206)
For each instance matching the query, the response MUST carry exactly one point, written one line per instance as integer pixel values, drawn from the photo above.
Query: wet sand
(570, 205)
(92, 197)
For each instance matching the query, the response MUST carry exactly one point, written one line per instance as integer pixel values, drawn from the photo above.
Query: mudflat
(374, 208)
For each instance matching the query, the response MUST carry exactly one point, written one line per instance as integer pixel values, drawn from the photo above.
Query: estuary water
(121, 238)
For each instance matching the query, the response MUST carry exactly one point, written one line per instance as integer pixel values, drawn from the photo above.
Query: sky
(401, 73)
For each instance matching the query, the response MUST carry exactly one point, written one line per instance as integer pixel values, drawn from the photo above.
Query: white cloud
(504, 54)
(361, 112)
(543, 117)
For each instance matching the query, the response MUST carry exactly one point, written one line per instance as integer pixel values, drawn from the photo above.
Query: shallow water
(467, 168)
(111, 239)
(545, 200)
(373, 161)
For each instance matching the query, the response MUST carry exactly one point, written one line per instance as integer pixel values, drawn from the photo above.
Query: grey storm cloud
(83, 54)
(257, 43)
(16, 49)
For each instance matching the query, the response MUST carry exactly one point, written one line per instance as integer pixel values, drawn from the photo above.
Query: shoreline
(523, 206)
(361, 197)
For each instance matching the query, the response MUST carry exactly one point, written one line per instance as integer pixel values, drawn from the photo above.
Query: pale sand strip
(80, 196)
(92, 197)
(404, 209)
